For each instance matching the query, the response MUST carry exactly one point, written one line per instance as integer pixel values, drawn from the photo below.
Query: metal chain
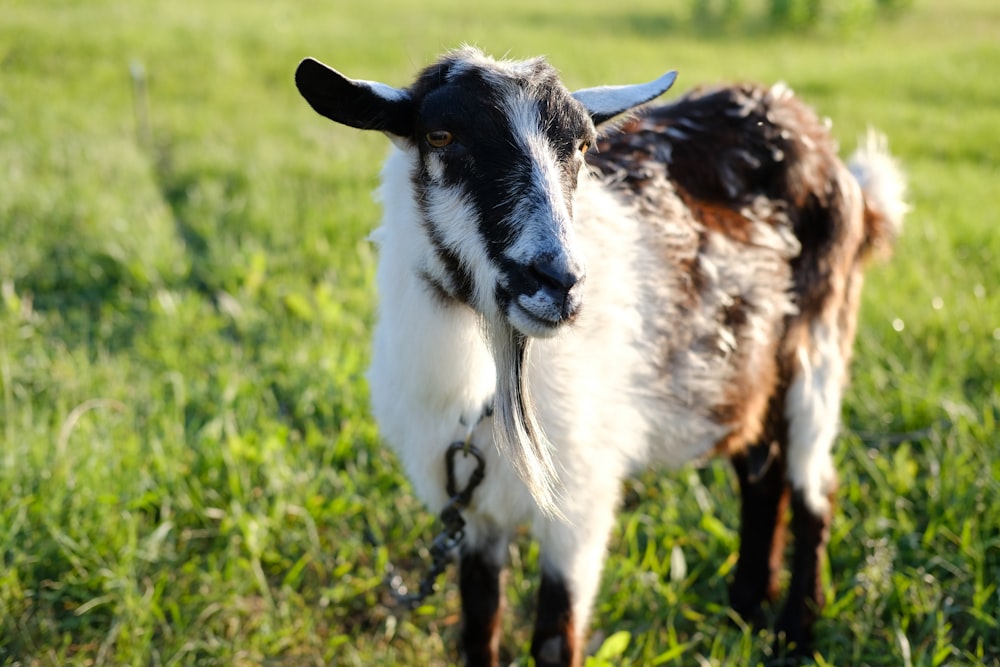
(447, 541)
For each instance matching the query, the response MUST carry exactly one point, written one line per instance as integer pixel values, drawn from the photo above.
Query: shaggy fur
(687, 286)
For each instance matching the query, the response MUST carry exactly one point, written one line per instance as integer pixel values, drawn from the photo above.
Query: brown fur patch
(733, 163)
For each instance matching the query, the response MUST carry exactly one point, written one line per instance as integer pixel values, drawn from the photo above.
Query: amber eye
(584, 147)
(439, 138)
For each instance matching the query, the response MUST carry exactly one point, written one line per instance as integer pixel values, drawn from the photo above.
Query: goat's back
(752, 170)
(723, 149)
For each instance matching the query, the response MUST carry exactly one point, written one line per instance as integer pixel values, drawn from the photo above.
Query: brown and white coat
(686, 284)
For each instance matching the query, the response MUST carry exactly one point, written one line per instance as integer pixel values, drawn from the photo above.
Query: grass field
(188, 471)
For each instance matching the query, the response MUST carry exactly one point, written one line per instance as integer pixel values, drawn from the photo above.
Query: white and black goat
(687, 284)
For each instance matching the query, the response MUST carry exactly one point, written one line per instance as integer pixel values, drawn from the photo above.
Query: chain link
(443, 547)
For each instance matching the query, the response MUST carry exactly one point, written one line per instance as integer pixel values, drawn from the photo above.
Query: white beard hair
(518, 435)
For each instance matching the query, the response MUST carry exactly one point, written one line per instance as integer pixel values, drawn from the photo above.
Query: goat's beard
(518, 435)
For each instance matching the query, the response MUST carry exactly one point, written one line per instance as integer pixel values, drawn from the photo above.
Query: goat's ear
(366, 105)
(606, 102)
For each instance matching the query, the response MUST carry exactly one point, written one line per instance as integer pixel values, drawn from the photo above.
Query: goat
(683, 285)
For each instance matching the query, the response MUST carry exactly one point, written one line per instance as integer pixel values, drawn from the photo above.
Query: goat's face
(497, 148)
(499, 151)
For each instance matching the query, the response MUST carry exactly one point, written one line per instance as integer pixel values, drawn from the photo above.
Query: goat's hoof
(793, 633)
(752, 617)
(748, 606)
(788, 658)
(550, 652)
(553, 652)
(749, 593)
(792, 645)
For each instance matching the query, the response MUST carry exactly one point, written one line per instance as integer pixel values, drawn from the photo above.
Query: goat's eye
(584, 146)
(439, 138)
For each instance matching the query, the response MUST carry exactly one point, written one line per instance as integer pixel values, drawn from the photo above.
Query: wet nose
(556, 272)
(559, 279)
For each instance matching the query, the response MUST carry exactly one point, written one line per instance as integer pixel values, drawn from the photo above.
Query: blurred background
(188, 471)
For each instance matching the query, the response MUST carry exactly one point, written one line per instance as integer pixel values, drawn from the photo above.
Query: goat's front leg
(573, 552)
(480, 584)
(556, 641)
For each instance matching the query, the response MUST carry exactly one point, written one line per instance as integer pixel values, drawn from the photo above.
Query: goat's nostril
(556, 273)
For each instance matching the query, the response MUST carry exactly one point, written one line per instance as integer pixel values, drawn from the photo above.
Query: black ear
(606, 102)
(366, 105)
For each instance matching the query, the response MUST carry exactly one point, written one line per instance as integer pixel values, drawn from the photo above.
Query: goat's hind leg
(481, 587)
(805, 599)
(764, 497)
(812, 407)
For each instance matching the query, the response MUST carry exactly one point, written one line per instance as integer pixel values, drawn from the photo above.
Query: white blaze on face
(542, 213)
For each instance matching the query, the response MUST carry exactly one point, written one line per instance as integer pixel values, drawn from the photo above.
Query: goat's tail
(884, 187)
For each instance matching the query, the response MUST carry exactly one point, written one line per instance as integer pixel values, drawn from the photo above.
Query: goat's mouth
(543, 313)
(543, 294)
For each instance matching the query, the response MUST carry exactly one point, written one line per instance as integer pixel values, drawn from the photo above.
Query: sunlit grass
(189, 474)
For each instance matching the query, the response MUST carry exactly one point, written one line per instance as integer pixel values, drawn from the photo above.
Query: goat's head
(496, 150)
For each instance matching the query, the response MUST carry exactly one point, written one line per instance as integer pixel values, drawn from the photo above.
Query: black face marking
(485, 159)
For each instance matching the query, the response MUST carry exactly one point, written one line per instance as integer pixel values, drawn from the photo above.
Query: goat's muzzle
(545, 293)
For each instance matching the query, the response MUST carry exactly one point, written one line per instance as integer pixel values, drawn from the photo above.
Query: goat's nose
(556, 272)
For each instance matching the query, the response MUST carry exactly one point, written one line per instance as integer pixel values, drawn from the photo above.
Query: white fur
(432, 373)
(386, 92)
(551, 222)
(812, 407)
(881, 178)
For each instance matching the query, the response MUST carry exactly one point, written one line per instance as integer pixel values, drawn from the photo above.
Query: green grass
(188, 471)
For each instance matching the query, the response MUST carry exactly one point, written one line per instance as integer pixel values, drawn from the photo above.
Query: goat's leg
(573, 554)
(556, 640)
(812, 408)
(480, 585)
(764, 502)
(805, 600)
